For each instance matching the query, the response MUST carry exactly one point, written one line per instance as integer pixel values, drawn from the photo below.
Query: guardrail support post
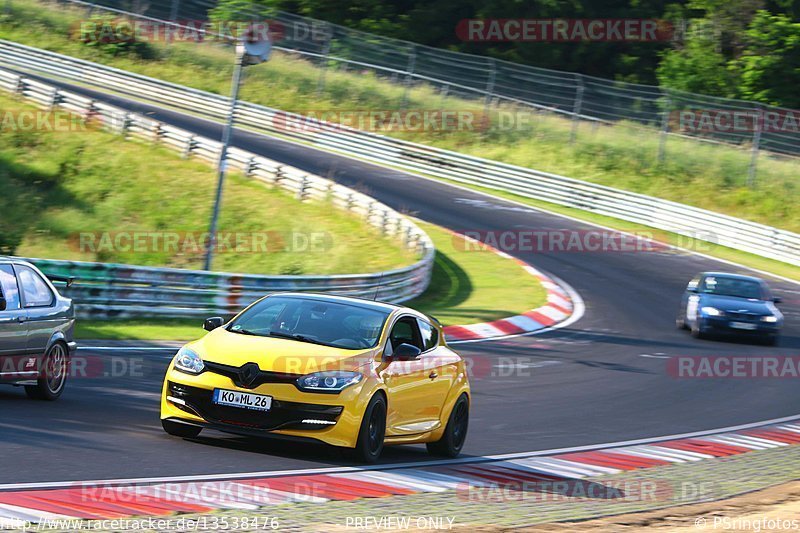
(55, 99)
(125, 126)
(157, 133)
(753, 169)
(412, 63)
(301, 191)
(20, 88)
(490, 85)
(576, 111)
(187, 150)
(250, 167)
(324, 67)
(662, 140)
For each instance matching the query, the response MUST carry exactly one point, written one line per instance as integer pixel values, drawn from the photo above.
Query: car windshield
(338, 324)
(738, 288)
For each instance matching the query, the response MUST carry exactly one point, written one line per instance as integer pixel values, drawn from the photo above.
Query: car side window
(34, 288)
(693, 285)
(8, 287)
(404, 331)
(430, 335)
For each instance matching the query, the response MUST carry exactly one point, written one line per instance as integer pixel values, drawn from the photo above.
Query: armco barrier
(661, 214)
(110, 290)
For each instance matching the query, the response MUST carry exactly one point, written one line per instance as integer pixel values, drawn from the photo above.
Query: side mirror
(210, 324)
(777, 299)
(406, 352)
(3, 304)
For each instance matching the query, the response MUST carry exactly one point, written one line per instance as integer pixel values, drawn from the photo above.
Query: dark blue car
(716, 302)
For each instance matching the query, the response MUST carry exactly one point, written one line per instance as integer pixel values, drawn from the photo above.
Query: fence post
(751, 172)
(662, 140)
(326, 50)
(490, 84)
(576, 111)
(412, 63)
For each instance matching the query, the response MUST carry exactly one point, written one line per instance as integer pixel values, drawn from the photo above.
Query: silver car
(36, 330)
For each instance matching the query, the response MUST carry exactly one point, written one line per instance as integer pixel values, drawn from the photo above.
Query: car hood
(276, 355)
(731, 304)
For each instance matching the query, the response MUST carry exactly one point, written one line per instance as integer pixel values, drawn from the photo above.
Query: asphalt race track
(603, 378)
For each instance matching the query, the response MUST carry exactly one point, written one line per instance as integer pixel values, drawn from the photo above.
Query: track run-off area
(607, 376)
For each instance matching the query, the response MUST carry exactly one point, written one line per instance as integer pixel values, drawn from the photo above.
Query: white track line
(398, 466)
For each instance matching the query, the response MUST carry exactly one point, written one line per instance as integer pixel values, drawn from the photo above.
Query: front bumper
(723, 325)
(330, 418)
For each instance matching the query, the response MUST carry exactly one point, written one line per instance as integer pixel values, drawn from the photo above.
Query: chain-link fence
(662, 112)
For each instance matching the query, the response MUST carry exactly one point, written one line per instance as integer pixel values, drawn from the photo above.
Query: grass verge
(625, 156)
(467, 286)
(73, 183)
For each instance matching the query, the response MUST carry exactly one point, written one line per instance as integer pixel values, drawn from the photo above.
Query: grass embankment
(468, 286)
(708, 176)
(58, 185)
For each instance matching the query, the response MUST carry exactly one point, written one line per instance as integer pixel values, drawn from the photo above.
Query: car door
(440, 366)
(407, 383)
(13, 325)
(38, 300)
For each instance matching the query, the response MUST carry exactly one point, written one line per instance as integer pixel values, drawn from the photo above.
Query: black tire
(176, 429)
(372, 432)
(52, 374)
(771, 340)
(455, 433)
(697, 333)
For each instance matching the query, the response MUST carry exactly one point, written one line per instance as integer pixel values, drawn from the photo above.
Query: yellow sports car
(345, 371)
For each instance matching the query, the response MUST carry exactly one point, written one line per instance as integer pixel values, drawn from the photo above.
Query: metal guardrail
(487, 79)
(113, 290)
(695, 223)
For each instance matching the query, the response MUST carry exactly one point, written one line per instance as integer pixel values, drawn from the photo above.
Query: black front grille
(743, 317)
(282, 414)
(259, 377)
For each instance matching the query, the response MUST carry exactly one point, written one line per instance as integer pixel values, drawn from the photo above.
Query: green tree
(770, 63)
(699, 65)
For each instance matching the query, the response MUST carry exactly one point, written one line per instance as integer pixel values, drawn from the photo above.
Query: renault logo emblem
(248, 374)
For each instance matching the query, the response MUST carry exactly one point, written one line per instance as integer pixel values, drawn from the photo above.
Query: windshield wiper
(245, 332)
(297, 337)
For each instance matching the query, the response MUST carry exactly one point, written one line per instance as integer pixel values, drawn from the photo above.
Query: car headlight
(328, 381)
(771, 319)
(711, 311)
(188, 361)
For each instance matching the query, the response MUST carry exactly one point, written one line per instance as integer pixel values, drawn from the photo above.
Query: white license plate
(243, 400)
(743, 325)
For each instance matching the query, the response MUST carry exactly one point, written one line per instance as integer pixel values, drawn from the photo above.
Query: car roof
(732, 276)
(5, 260)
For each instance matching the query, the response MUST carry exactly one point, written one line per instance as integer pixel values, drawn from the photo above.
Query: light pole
(250, 50)
(222, 166)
